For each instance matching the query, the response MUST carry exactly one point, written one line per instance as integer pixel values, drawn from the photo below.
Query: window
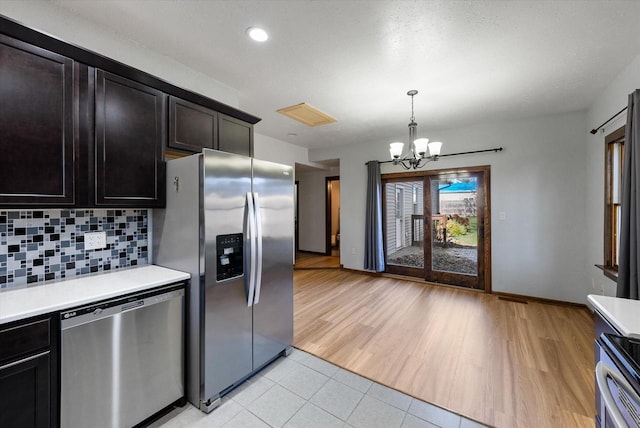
(614, 155)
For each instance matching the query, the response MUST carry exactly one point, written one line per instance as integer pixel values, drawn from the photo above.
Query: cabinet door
(191, 127)
(36, 126)
(26, 393)
(130, 136)
(235, 136)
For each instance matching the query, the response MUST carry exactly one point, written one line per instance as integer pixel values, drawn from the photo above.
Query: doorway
(437, 226)
(332, 229)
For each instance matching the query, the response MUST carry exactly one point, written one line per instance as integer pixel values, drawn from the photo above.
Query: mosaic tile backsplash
(49, 244)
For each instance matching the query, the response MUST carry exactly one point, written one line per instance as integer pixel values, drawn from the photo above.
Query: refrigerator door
(273, 302)
(227, 326)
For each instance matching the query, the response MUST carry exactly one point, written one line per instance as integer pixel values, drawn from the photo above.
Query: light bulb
(420, 147)
(395, 149)
(434, 148)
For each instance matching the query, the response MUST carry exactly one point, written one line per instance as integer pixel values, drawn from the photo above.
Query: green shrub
(455, 229)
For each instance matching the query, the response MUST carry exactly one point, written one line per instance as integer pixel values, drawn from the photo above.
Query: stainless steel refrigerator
(229, 222)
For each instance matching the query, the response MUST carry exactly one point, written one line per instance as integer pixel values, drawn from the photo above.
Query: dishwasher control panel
(123, 303)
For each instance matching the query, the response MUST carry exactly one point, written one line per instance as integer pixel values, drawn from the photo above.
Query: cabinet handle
(24, 360)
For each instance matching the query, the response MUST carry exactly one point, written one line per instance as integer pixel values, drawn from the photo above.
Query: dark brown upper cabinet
(130, 129)
(37, 124)
(234, 135)
(192, 127)
(78, 129)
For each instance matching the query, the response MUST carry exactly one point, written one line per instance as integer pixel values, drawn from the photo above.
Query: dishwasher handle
(97, 311)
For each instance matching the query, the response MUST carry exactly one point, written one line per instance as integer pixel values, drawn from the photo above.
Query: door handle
(250, 227)
(24, 360)
(258, 217)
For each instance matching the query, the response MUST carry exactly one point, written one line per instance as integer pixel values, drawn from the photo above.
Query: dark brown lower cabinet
(28, 374)
(25, 388)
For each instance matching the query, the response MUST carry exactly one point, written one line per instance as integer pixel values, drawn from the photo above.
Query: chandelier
(417, 156)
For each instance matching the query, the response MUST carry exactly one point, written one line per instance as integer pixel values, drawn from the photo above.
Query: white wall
(270, 149)
(313, 209)
(538, 181)
(60, 23)
(611, 100)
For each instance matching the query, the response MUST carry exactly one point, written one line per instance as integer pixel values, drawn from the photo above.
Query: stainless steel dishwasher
(122, 360)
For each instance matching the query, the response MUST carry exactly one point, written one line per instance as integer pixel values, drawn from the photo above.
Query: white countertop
(25, 302)
(623, 314)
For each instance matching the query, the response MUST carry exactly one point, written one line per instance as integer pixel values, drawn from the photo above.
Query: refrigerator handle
(258, 280)
(251, 232)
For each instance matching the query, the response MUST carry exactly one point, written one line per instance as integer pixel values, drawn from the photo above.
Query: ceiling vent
(307, 114)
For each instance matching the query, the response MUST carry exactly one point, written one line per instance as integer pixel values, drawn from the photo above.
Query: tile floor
(303, 391)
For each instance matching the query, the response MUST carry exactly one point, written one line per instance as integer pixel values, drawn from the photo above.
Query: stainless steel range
(618, 381)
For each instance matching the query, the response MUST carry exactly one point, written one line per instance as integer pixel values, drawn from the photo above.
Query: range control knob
(98, 311)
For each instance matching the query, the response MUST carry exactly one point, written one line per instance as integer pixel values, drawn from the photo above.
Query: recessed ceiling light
(257, 34)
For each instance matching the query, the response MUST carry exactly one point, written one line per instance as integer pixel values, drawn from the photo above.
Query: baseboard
(520, 298)
(424, 281)
(513, 299)
(315, 253)
(317, 267)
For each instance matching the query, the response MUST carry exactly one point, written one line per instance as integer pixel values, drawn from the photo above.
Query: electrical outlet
(353, 250)
(95, 240)
(502, 215)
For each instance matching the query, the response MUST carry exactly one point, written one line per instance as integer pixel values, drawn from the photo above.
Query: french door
(437, 226)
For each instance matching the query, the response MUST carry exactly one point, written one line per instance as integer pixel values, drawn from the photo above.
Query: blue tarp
(460, 187)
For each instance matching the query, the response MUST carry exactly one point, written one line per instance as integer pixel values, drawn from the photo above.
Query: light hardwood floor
(502, 363)
(315, 261)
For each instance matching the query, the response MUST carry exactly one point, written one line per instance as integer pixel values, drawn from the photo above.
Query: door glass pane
(405, 223)
(454, 247)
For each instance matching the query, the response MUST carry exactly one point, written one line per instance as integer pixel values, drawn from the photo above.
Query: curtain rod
(593, 131)
(497, 149)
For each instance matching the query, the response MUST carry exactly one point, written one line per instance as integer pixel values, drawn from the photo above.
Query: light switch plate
(95, 240)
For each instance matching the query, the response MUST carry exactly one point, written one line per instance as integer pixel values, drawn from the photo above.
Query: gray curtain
(628, 285)
(373, 247)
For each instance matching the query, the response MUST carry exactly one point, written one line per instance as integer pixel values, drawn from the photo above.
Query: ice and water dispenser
(229, 249)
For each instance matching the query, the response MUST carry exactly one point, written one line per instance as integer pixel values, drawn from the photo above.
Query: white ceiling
(471, 61)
